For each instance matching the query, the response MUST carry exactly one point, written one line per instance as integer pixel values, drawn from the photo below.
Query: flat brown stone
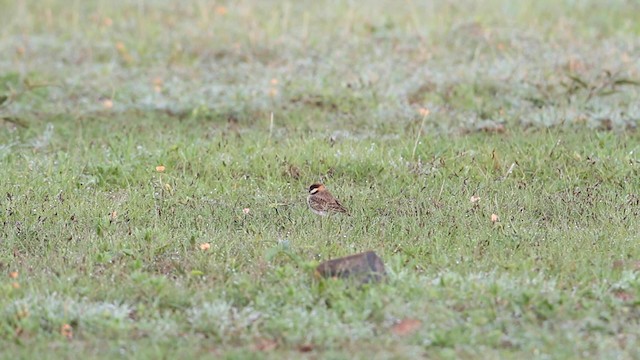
(364, 267)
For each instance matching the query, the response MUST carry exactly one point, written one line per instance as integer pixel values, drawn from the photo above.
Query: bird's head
(314, 188)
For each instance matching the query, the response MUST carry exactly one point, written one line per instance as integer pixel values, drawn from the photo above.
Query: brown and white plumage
(322, 202)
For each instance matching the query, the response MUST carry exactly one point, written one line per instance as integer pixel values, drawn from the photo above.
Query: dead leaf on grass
(265, 344)
(623, 295)
(306, 348)
(113, 216)
(489, 126)
(406, 326)
(497, 164)
(618, 264)
(67, 331)
(293, 171)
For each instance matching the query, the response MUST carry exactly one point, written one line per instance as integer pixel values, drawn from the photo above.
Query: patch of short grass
(548, 273)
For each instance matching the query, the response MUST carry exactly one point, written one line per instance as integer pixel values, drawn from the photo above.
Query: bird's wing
(336, 206)
(318, 203)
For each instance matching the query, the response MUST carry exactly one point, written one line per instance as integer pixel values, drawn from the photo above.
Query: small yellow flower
(424, 112)
(122, 50)
(107, 103)
(160, 168)
(157, 84)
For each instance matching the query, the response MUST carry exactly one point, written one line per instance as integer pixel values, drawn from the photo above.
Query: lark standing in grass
(321, 201)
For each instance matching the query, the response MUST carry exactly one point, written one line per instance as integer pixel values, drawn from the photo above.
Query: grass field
(155, 158)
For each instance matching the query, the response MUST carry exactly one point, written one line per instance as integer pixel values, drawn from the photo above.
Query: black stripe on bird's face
(314, 188)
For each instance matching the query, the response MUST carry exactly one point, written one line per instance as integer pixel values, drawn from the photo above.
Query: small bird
(321, 201)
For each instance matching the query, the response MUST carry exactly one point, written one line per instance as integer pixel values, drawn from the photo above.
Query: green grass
(533, 109)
